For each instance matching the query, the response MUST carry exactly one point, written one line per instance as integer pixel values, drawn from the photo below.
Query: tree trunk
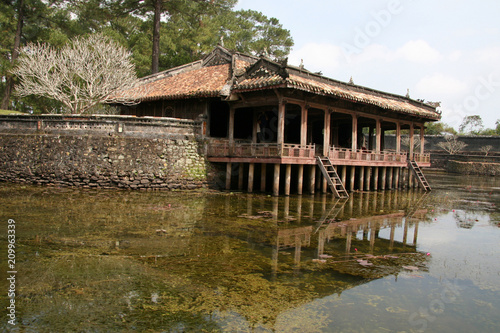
(9, 84)
(156, 37)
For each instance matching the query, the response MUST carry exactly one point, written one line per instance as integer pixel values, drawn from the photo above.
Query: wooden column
(362, 178)
(263, 169)
(231, 124)
(326, 133)
(276, 184)
(281, 122)
(288, 178)
(383, 180)
(354, 138)
(251, 169)
(422, 139)
(228, 175)
(300, 179)
(389, 180)
(254, 128)
(312, 179)
(410, 155)
(398, 137)
(370, 138)
(375, 178)
(368, 178)
(396, 177)
(352, 180)
(303, 126)
(379, 136)
(344, 174)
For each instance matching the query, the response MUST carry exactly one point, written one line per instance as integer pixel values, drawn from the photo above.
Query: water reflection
(189, 262)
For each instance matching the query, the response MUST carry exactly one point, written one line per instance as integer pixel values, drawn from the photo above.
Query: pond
(114, 261)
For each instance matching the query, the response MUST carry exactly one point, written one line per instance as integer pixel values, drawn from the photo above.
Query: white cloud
(418, 51)
(440, 84)
(455, 55)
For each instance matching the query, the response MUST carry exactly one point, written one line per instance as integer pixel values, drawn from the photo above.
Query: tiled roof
(223, 72)
(198, 82)
(340, 90)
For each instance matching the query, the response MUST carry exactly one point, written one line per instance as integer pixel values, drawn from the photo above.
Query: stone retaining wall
(160, 157)
(474, 168)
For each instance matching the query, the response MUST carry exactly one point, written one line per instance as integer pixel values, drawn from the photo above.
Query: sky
(438, 50)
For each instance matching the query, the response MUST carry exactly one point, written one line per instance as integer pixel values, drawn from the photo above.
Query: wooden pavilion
(263, 119)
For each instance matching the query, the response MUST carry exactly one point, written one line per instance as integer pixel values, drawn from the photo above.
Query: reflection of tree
(465, 219)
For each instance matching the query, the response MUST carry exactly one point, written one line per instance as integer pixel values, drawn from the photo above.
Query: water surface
(394, 261)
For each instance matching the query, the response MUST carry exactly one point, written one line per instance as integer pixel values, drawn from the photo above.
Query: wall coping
(121, 125)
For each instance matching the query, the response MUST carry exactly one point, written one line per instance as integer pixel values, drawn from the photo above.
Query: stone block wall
(103, 162)
(474, 168)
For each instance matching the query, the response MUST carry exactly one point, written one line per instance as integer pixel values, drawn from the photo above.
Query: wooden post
(422, 139)
(276, 184)
(375, 178)
(303, 126)
(263, 169)
(326, 134)
(389, 180)
(396, 178)
(312, 179)
(231, 124)
(379, 136)
(410, 155)
(353, 173)
(368, 178)
(354, 138)
(398, 137)
(344, 174)
(251, 169)
(300, 179)
(370, 138)
(228, 175)
(288, 176)
(362, 178)
(281, 122)
(383, 180)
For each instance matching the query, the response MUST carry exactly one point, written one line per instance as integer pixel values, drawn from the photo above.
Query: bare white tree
(85, 72)
(452, 145)
(486, 149)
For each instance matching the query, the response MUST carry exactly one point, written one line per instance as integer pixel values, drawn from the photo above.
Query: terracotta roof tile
(200, 82)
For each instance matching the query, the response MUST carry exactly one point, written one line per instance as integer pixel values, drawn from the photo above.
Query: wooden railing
(227, 149)
(422, 158)
(365, 155)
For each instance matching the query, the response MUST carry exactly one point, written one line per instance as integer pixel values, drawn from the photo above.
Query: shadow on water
(234, 262)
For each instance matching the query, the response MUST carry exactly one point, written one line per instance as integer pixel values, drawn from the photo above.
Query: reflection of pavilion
(345, 232)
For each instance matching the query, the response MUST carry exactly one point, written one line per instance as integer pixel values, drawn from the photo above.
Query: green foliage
(189, 30)
(438, 128)
(471, 125)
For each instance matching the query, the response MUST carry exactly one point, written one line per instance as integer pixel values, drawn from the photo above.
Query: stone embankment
(474, 168)
(163, 157)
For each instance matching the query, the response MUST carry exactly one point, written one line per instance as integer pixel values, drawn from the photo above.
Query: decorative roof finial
(407, 93)
(221, 42)
(351, 81)
(301, 66)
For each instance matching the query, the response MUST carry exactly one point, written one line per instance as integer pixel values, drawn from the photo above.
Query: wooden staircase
(331, 176)
(419, 175)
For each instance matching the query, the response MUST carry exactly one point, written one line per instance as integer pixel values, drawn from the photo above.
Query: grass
(6, 112)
